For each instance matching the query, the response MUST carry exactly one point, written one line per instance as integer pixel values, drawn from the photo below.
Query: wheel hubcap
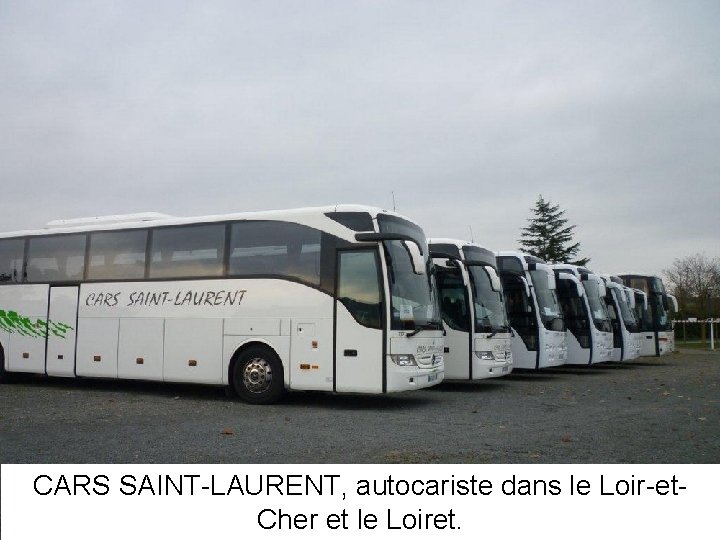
(257, 375)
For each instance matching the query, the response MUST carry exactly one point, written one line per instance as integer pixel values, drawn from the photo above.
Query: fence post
(712, 335)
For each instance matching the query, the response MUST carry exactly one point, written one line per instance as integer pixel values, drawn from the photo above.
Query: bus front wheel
(4, 375)
(257, 376)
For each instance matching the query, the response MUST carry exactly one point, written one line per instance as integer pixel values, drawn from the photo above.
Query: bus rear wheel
(257, 376)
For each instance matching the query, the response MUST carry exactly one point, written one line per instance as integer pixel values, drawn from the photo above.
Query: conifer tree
(548, 235)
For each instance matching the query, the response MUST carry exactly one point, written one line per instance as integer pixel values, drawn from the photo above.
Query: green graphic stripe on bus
(11, 322)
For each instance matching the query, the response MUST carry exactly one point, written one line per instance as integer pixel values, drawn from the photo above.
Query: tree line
(693, 279)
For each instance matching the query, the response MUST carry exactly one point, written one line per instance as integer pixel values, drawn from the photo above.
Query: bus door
(359, 361)
(455, 305)
(61, 331)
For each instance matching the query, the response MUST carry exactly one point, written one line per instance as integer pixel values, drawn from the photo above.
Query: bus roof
(637, 275)
(456, 242)
(466, 251)
(307, 216)
(519, 254)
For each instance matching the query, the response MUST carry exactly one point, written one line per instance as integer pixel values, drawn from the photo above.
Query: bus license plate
(432, 377)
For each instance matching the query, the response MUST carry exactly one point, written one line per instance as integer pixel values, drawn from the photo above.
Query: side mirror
(546, 277)
(381, 237)
(602, 289)
(494, 278)
(552, 282)
(464, 272)
(527, 287)
(673, 303)
(416, 257)
(630, 298)
(580, 289)
(445, 262)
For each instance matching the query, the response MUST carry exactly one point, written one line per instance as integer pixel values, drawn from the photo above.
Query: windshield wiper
(421, 327)
(496, 330)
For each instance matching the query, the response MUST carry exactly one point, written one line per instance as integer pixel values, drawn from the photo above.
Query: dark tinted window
(356, 221)
(117, 255)
(479, 255)
(511, 264)
(396, 225)
(440, 250)
(359, 287)
(275, 248)
(453, 298)
(521, 312)
(192, 251)
(574, 311)
(11, 260)
(614, 318)
(56, 258)
(636, 282)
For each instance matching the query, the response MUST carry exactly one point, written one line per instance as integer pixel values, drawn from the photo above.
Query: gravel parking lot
(652, 410)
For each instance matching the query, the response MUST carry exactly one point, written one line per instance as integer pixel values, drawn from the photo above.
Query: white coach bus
(477, 340)
(339, 298)
(659, 334)
(641, 310)
(626, 337)
(576, 313)
(533, 310)
(600, 334)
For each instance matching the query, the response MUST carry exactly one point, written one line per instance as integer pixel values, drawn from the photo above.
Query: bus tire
(257, 375)
(4, 375)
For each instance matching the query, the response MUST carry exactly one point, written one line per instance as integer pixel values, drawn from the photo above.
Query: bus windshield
(547, 300)
(490, 312)
(628, 316)
(663, 321)
(641, 314)
(598, 309)
(657, 318)
(656, 285)
(413, 301)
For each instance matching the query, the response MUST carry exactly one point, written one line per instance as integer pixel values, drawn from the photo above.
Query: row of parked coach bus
(341, 299)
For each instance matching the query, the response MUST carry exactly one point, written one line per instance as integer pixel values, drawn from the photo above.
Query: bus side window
(117, 255)
(359, 287)
(188, 251)
(12, 252)
(275, 248)
(56, 258)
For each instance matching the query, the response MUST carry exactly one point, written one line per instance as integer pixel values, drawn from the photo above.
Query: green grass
(679, 344)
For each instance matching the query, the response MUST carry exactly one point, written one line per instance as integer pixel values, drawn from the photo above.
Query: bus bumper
(401, 378)
(486, 369)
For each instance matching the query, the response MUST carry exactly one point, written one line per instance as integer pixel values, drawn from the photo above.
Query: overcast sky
(467, 110)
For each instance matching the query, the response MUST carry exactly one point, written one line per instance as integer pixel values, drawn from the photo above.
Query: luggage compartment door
(24, 309)
(61, 331)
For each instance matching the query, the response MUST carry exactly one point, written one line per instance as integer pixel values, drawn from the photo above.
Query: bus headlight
(485, 355)
(403, 359)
